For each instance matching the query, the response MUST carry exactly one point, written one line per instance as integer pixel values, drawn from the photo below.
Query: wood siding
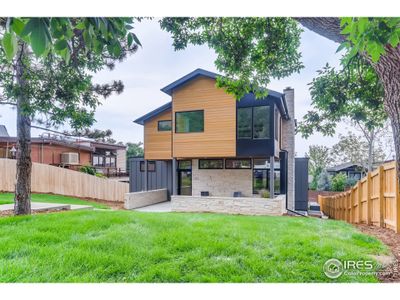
(157, 144)
(219, 136)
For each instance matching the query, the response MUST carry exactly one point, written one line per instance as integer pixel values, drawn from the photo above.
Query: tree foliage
(134, 149)
(353, 93)
(250, 51)
(319, 159)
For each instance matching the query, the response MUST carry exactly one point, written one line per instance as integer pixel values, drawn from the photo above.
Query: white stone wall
(221, 182)
(121, 160)
(145, 198)
(288, 144)
(230, 205)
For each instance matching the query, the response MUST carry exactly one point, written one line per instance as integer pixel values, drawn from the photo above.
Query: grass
(126, 246)
(7, 198)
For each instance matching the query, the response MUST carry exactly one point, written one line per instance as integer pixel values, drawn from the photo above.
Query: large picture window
(261, 117)
(238, 164)
(211, 163)
(189, 121)
(164, 125)
(244, 122)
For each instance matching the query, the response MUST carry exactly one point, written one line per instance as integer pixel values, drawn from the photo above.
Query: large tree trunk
(387, 68)
(22, 200)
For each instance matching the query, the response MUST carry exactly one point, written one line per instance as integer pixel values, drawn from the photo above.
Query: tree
(46, 72)
(319, 160)
(98, 135)
(134, 149)
(353, 148)
(353, 93)
(252, 50)
(377, 40)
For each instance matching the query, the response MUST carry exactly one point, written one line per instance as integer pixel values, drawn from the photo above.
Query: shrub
(100, 175)
(339, 182)
(88, 170)
(264, 193)
(324, 181)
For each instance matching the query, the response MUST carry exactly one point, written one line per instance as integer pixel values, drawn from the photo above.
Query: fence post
(359, 202)
(369, 202)
(381, 174)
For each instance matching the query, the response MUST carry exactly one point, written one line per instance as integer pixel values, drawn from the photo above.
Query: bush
(88, 170)
(324, 181)
(100, 175)
(264, 193)
(339, 182)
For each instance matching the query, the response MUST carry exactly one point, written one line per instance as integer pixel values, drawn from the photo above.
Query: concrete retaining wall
(145, 198)
(230, 205)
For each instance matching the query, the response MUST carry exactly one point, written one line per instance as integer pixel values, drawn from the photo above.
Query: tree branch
(327, 27)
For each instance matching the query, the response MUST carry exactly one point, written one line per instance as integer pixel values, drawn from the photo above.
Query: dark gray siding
(161, 178)
(301, 183)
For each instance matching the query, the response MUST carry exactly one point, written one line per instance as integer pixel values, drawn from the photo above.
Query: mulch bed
(391, 273)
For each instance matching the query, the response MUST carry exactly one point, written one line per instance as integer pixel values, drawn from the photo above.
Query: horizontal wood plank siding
(157, 144)
(219, 136)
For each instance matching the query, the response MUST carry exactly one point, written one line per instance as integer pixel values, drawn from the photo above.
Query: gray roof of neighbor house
(3, 131)
(281, 102)
(343, 166)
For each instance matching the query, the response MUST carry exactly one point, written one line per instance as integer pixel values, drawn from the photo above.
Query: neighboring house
(205, 142)
(351, 170)
(108, 159)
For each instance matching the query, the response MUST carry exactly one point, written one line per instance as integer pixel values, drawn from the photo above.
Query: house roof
(154, 113)
(342, 167)
(3, 131)
(279, 98)
(37, 140)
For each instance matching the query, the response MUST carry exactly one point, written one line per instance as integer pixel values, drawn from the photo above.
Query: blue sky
(156, 64)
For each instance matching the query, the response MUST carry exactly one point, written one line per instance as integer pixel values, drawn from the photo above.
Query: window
(261, 163)
(261, 173)
(238, 164)
(151, 166)
(244, 121)
(184, 164)
(189, 121)
(211, 163)
(98, 161)
(165, 125)
(261, 117)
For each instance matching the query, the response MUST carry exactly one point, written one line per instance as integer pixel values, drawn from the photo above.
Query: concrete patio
(159, 207)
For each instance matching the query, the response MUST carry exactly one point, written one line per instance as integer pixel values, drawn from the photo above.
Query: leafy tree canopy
(353, 93)
(250, 51)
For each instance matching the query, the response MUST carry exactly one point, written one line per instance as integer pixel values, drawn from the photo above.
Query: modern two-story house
(205, 143)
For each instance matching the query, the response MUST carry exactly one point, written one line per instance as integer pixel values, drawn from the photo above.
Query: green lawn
(6, 198)
(126, 246)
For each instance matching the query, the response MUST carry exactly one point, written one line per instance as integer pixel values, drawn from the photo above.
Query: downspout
(286, 194)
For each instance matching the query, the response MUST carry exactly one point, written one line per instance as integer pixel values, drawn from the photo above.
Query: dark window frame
(251, 125)
(158, 125)
(184, 169)
(268, 107)
(212, 159)
(189, 111)
(271, 121)
(233, 159)
(268, 171)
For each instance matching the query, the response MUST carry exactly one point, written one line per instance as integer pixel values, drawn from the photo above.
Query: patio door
(185, 178)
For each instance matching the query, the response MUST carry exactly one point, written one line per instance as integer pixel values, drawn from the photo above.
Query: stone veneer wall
(288, 144)
(221, 182)
(145, 198)
(230, 205)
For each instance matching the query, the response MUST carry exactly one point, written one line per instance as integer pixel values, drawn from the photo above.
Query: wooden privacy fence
(50, 179)
(374, 200)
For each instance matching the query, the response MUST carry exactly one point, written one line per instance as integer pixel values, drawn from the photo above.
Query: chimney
(288, 144)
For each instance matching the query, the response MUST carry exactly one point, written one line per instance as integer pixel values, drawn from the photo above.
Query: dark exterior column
(174, 179)
(145, 175)
(271, 177)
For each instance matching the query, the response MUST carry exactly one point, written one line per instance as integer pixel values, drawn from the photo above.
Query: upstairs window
(261, 117)
(164, 125)
(244, 121)
(189, 121)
